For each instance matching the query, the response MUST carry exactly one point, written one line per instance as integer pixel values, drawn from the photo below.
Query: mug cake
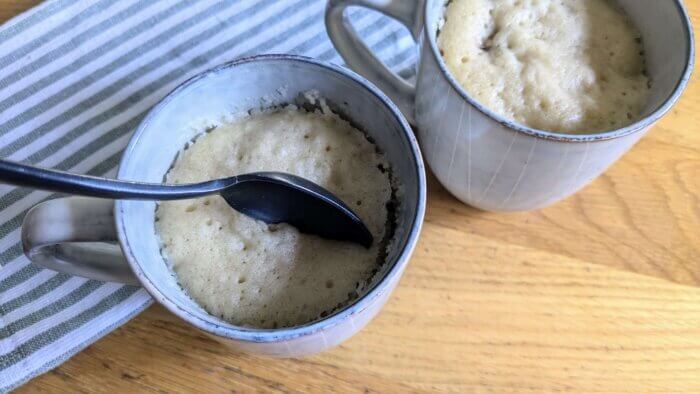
(569, 66)
(250, 273)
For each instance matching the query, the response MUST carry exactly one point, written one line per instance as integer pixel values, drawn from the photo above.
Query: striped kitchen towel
(76, 77)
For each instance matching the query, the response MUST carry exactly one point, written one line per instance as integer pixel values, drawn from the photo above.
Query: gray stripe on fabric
(366, 31)
(21, 275)
(75, 42)
(401, 57)
(49, 10)
(62, 303)
(11, 197)
(321, 36)
(14, 222)
(392, 37)
(58, 331)
(60, 29)
(108, 164)
(90, 147)
(97, 75)
(35, 293)
(88, 341)
(274, 41)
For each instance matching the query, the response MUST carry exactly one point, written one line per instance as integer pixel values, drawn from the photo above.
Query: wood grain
(595, 294)
(10, 8)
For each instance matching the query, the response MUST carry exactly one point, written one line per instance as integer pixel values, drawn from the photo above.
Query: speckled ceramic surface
(233, 88)
(487, 161)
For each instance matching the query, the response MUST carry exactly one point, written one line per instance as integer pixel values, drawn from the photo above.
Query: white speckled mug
(490, 162)
(116, 241)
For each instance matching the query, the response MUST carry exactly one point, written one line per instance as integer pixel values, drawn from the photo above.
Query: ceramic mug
(486, 160)
(116, 241)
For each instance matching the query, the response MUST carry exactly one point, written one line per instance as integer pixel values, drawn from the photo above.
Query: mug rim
(259, 335)
(635, 127)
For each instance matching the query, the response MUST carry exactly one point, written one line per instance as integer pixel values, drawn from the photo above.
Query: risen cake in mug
(570, 66)
(254, 274)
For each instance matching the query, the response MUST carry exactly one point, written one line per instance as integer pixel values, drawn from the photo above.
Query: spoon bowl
(276, 197)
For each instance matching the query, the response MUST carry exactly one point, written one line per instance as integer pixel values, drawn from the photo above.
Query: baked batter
(254, 274)
(572, 66)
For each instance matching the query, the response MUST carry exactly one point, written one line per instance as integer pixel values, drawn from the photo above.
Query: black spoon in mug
(272, 197)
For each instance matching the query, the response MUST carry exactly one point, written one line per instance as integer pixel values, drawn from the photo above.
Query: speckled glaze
(233, 88)
(495, 164)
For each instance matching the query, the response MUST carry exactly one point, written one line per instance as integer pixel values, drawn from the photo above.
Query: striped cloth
(76, 77)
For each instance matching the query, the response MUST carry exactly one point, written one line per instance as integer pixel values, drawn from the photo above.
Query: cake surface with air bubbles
(254, 274)
(571, 66)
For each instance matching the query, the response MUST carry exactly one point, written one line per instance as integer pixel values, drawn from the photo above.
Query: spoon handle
(85, 185)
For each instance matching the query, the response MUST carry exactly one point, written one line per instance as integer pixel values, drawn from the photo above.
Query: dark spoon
(272, 197)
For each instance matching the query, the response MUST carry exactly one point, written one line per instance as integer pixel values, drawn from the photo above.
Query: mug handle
(76, 236)
(361, 59)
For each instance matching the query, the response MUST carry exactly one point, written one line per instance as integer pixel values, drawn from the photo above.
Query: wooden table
(597, 293)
